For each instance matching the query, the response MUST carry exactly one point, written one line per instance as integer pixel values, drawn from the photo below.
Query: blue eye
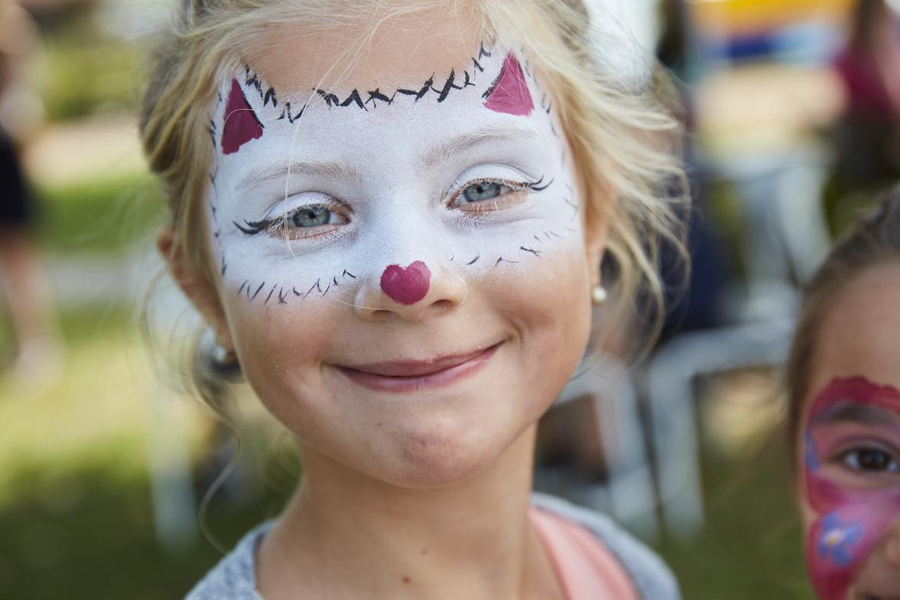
(311, 216)
(479, 192)
(302, 222)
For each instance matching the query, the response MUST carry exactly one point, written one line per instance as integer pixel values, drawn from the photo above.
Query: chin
(441, 455)
(436, 474)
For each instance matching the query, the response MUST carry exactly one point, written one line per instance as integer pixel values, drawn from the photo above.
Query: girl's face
(402, 261)
(850, 455)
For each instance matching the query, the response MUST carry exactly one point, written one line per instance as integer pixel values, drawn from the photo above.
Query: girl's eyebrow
(437, 155)
(466, 142)
(262, 175)
(864, 414)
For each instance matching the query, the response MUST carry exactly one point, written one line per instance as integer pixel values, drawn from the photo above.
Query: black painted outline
(373, 98)
(453, 82)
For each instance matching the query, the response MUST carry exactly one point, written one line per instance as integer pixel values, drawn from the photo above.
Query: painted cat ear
(241, 123)
(509, 93)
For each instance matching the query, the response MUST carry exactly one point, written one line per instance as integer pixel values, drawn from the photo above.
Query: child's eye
(488, 195)
(479, 192)
(303, 222)
(312, 216)
(870, 460)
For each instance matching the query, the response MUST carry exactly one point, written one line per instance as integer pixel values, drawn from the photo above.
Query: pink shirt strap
(586, 569)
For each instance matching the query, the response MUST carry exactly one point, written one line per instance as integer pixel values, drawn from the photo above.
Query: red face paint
(241, 124)
(406, 285)
(509, 94)
(855, 507)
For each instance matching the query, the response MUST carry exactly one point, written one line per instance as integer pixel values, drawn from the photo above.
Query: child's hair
(624, 134)
(874, 241)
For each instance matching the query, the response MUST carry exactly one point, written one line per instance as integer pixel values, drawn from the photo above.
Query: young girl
(392, 216)
(844, 378)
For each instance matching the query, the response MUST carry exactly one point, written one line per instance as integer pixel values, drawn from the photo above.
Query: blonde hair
(624, 137)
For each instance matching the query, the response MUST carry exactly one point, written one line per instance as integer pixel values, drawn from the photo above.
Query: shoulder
(651, 577)
(234, 578)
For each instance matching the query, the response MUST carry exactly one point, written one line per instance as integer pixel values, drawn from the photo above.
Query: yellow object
(743, 17)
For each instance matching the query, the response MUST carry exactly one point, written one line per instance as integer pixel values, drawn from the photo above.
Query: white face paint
(399, 228)
(307, 207)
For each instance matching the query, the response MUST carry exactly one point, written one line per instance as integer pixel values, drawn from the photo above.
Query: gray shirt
(234, 578)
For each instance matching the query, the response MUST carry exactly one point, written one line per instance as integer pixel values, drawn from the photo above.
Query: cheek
(280, 349)
(549, 306)
(547, 310)
(837, 545)
(829, 561)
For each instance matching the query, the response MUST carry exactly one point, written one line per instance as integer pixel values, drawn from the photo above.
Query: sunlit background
(105, 461)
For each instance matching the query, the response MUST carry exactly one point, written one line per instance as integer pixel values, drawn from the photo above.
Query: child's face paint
(406, 285)
(342, 178)
(509, 93)
(850, 453)
(402, 260)
(241, 124)
(852, 477)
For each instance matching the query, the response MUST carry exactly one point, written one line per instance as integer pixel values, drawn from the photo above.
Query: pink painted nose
(406, 285)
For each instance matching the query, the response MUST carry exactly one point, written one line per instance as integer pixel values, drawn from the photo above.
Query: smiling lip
(408, 376)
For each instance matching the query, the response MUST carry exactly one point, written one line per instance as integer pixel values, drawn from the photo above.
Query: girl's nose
(406, 285)
(413, 292)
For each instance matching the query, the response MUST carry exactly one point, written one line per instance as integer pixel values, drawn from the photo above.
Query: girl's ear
(199, 290)
(595, 239)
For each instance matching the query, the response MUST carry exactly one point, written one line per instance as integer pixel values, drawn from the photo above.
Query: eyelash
(490, 205)
(844, 456)
(280, 223)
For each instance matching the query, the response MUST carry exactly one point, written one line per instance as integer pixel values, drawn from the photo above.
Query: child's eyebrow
(853, 412)
(466, 142)
(263, 175)
(437, 155)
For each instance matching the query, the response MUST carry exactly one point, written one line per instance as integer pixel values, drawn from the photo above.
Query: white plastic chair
(786, 238)
(628, 495)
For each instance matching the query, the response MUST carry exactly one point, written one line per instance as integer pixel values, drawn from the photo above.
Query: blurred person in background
(22, 281)
(698, 305)
(868, 133)
(844, 391)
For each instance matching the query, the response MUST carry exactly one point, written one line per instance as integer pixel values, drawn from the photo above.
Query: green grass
(84, 71)
(101, 544)
(76, 518)
(101, 215)
(84, 534)
(752, 545)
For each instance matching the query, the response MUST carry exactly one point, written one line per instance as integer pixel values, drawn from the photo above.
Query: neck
(348, 535)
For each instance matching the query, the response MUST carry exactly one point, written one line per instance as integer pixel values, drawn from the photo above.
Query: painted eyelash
(475, 211)
(534, 186)
(537, 187)
(252, 228)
